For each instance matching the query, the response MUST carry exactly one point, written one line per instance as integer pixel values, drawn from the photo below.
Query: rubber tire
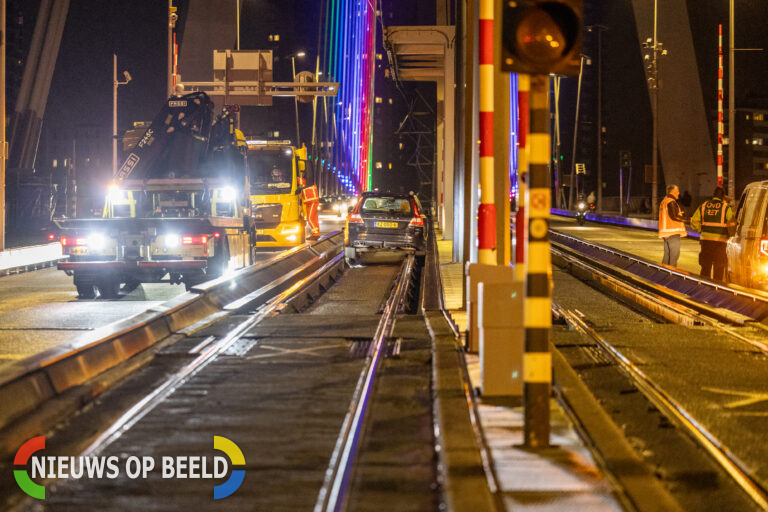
(581, 220)
(109, 288)
(131, 285)
(86, 291)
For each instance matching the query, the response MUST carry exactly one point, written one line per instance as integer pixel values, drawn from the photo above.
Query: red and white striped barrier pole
(486, 213)
(720, 128)
(521, 218)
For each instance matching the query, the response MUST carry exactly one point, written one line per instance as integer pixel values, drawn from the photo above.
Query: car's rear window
(388, 205)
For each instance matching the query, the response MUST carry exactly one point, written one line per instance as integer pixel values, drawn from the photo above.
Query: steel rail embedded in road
(206, 356)
(674, 411)
(334, 493)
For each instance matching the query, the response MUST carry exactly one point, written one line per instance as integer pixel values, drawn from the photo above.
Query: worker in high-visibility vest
(309, 202)
(671, 225)
(715, 221)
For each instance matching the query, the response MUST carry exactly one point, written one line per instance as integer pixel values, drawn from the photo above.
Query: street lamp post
(296, 98)
(654, 50)
(115, 84)
(731, 104)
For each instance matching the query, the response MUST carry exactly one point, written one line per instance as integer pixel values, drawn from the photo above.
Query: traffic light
(625, 159)
(540, 37)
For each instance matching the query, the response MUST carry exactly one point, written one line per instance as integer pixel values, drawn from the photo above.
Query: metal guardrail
(618, 220)
(30, 382)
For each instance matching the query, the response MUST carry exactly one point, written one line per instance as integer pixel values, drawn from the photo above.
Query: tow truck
(179, 207)
(276, 170)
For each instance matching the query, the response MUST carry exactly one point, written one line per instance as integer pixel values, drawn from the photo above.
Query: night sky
(79, 104)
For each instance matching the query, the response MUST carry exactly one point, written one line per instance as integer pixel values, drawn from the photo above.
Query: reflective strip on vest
(713, 224)
(667, 226)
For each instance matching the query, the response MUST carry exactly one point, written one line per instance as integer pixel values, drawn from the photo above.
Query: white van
(748, 248)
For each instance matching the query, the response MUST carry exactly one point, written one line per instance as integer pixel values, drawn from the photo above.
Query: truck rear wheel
(86, 291)
(109, 287)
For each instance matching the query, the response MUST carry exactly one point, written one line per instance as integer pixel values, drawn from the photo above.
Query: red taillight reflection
(194, 240)
(216, 235)
(51, 236)
(354, 217)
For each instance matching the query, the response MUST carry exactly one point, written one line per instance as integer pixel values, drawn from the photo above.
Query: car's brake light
(764, 247)
(73, 241)
(194, 239)
(354, 217)
(416, 221)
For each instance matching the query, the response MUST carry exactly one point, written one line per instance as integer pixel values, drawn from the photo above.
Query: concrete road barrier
(34, 257)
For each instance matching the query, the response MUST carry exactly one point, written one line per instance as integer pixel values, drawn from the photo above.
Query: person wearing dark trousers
(715, 221)
(671, 225)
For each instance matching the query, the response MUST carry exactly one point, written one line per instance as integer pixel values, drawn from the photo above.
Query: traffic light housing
(625, 159)
(540, 37)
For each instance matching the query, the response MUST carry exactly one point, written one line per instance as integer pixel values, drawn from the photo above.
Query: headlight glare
(96, 241)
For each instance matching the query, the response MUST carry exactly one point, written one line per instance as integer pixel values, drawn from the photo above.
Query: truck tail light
(69, 242)
(354, 217)
(194, 240)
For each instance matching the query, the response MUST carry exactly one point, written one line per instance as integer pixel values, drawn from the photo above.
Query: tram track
(667, 296)
(334, 494)
(255, 340)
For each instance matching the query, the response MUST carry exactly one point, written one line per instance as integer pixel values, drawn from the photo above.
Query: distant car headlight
(172, 240)
(96, 242)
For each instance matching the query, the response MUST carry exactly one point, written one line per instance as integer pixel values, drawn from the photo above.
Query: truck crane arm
(176, 141)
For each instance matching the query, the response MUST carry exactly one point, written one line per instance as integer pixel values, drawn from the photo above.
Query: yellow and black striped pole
(537, 360)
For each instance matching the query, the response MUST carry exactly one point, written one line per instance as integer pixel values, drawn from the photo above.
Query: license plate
(385, 224)
(78, 251)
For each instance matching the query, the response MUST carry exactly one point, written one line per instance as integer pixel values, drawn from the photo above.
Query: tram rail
(676, 297)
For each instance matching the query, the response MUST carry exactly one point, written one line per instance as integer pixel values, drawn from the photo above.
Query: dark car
(330, 205)
(381, 220)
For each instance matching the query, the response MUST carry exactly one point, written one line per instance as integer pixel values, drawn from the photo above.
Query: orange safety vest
(667, 226)
(309, 194)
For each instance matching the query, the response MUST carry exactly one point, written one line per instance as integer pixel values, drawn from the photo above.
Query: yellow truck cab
(274, 169)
